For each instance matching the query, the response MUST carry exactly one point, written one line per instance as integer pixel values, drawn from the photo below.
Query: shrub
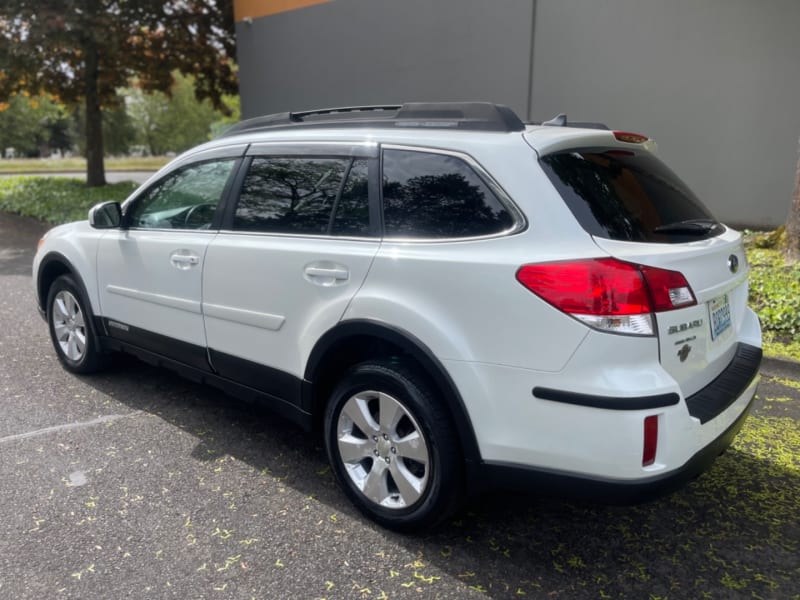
(56, 199)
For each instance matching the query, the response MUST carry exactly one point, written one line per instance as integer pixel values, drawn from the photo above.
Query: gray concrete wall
(715, 82)
(358, 52)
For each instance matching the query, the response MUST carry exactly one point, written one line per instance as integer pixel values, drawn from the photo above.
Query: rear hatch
(638, 211)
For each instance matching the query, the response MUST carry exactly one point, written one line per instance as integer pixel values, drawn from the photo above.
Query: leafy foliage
(44, 45)
(28, 122)
(84, 50)
(175, 122)
(56, 199)
(775, 295)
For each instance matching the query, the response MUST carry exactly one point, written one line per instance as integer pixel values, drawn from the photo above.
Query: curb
(780, 367)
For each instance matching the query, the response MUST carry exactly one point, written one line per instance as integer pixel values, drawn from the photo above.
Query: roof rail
(470, 116)
(560, 120)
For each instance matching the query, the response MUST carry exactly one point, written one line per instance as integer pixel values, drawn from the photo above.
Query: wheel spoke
(409, 485)
(413, 446)
(357, 410)
(69, 300)
(389, 412)
(80, 341)
(72, 349)
(61, 308)
(353, 449)
(375, 484)
(78, 318)
(61, 331)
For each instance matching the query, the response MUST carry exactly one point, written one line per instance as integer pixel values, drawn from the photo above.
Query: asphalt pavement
(138, 484)
(111, 176)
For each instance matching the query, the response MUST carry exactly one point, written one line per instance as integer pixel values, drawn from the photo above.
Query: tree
(31, 124)
(119, 132)
(84, 50)
(171, 124)
(793, 220)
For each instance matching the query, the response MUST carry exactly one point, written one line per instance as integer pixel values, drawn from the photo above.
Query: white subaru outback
(457, 299)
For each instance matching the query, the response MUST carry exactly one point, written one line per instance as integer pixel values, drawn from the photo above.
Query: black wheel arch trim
(41, 294)
(49, 258)
(419, 352)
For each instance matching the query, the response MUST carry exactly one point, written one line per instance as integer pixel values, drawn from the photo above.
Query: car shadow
(733, 532)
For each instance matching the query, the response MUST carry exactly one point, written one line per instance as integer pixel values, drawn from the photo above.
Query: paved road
(111, 176)
(138, 484)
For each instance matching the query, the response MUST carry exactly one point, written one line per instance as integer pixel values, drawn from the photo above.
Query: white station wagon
(456, 299)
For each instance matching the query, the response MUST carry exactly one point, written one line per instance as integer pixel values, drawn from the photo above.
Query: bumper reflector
(650, 440)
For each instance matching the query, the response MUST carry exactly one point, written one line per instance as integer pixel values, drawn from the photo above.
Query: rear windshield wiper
(689, 227)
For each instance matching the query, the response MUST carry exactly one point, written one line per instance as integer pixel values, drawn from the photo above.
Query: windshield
(622, 195)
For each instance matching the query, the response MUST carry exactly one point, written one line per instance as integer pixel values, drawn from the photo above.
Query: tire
(392, 447)
(71, 325)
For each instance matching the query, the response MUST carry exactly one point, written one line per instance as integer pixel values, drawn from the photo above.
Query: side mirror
(106, 215)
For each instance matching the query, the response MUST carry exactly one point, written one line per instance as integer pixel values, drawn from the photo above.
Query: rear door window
(304, 195)
(622, 195)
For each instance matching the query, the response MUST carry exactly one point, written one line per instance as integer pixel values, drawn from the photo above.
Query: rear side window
(427, 195)
(304, 195)
(621, 195)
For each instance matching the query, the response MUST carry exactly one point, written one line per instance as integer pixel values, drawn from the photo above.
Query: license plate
(720, 309)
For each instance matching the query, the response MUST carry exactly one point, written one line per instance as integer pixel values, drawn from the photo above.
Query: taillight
(631, 138)
(650, 440)
(670, 289)
(608, 294)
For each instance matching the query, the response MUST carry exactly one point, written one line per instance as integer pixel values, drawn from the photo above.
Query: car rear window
(622, 195)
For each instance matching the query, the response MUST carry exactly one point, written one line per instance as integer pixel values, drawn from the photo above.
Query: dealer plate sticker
(720, 309)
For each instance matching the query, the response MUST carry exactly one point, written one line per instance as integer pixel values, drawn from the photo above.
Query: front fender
(71, 247)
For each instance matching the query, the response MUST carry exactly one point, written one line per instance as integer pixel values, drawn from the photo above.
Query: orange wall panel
(253, 9)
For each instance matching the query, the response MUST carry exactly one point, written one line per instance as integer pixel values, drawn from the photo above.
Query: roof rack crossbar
(471, 116)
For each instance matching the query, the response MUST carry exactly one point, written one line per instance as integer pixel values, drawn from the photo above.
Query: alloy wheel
(383, 449)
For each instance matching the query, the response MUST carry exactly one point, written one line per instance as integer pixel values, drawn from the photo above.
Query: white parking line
(67, 427)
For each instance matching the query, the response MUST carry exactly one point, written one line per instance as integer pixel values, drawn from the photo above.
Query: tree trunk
(95, 167)
(793, 220)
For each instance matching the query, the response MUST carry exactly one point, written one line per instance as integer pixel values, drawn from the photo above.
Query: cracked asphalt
(138, 484)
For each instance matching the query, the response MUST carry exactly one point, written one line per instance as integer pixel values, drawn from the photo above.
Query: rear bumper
(546, 482)
(735, 385)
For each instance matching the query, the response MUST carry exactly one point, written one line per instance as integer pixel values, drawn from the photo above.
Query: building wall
(715, 82)
(362, 52)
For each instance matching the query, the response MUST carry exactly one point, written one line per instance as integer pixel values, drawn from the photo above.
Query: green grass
(56, 200)
(775, 295)
(65, 165)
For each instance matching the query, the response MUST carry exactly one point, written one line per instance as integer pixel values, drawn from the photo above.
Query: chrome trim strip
(329, 238)
(278, 148)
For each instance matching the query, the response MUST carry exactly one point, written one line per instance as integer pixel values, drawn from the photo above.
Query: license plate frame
(719, 315)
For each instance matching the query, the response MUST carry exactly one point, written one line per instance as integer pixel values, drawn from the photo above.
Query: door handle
(327, 273)
(183, 260)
